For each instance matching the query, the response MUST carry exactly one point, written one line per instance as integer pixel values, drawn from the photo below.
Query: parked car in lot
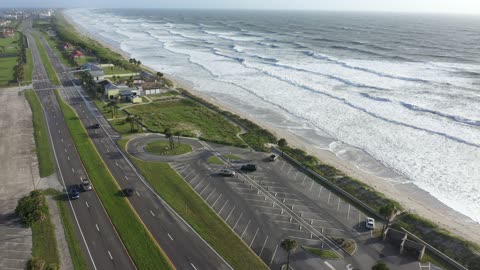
(227, 172)
(97, 125)
(370, 223)
(272, 157)
(249, 167)
(128, 192)
(86, 184)
(74, 193)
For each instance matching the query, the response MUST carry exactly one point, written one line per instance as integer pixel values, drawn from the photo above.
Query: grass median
(44, 152)
(140, 244)
(188, 204)
(52, 75)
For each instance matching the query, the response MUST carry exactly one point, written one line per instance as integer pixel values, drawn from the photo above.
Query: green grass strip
(188, 204)
(215, 160)
(44, 154)
(163, 148)
(52, 75)
(44, 243)
(76, 254)
(322, 253)
(140, 244)
(28, 68)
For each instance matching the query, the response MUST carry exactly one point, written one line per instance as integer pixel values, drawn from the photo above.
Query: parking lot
(275, 202)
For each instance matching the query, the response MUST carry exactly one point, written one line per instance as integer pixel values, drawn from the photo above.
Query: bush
(35, 264)
(52, 266)
(32, 208)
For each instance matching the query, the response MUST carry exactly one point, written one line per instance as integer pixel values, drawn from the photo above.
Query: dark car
(128, 192)
(97, 125)
(249, 167)
(273, 157)
(74, 193)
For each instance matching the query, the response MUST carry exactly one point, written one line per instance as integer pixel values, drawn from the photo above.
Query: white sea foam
(418, 119)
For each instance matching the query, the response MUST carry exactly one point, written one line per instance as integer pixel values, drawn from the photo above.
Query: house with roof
(152, 88)
(94, 70)
(77, 54)
(8, 32)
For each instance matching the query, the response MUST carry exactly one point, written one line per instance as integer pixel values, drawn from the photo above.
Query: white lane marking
(138, 194)
(273, 256)
(68, 157)
(152, 213)
(96, 225)
(264, 243)
(126, 177)
(61, 139)
(56, 124)
(65, 150)
(254, 236)
(193, 266)
(116, 163)
(73, 170)
(170, 236)
(110, 254)
(248, 224)
(329, 265)
(88, 206)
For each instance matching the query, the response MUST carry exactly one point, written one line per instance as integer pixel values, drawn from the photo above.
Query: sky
(428, 6)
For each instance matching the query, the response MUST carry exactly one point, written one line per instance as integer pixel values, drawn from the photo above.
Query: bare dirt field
(19, 175)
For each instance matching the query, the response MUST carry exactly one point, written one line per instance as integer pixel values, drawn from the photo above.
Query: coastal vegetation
(42, 145)
(34, 213)
(189, 119)
(140, 244)
(163, 148)
(322, 253)
(194, 210)
(10, 59)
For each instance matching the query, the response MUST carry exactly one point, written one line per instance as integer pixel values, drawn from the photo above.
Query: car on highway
(272, 157)
(227, 172)
(249, 167)
(86, 186)
(370, 223)
(74, 193)
(128, 192)
(95, 126)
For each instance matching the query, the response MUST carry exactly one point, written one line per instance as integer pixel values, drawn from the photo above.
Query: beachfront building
(94, 70)
(152, 88)
(111, 91)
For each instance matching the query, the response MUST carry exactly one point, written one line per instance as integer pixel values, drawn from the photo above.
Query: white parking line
(348, 212)
(152, 213)
(208, 197)
(65, 150)
(68, 157)
(273, 256)
(304, 177)
(61, 139)
(87, 204)
(229, 214)
(185, 177)
(188, 165)
(329, 195)
(217, 200)
(193, 266)
(204, 189)
(313, 182)
(245, 228)
(170, 236)
(254, 236)
(233, 229)
(319, 191)
(110, 254)
(96, 225)
(329, 265)
(261, 251)
(195, 177)
(73, 170)
(338, 205)
(195, 187)
(116, 163)
(126, 177)
(138, 194)
(222, 207)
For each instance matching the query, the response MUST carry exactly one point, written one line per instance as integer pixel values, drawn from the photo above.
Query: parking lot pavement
(279, 201)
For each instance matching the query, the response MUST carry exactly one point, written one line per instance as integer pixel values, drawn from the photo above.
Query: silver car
(227, 172)
(370, 223)
(86, 184)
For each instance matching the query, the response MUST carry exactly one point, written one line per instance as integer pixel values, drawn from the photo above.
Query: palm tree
(159, 74)
(131, 120)
(169, 136)
(288, 245)
(112, 104)
(139, 63)
(388, 211)
(178, 133)
(138, 121)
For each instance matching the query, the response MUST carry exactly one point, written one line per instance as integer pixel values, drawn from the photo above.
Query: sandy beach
(411, 197)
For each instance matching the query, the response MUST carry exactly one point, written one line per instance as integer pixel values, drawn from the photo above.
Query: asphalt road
(185, 248)
(101, 246)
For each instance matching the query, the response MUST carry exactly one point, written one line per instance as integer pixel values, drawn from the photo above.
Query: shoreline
(411, 197)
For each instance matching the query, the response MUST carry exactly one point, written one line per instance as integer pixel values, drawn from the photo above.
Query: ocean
(398, 95)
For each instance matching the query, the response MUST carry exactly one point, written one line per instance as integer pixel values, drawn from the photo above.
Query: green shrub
(32, 208)
(35, 264)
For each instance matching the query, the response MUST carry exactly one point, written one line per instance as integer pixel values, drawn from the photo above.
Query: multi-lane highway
(185, 248)
(100, 243)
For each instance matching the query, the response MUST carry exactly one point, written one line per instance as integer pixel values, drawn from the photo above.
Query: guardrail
(435, 251)
(328, 184)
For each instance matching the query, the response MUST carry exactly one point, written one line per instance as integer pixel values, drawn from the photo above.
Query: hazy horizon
(408, 6)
